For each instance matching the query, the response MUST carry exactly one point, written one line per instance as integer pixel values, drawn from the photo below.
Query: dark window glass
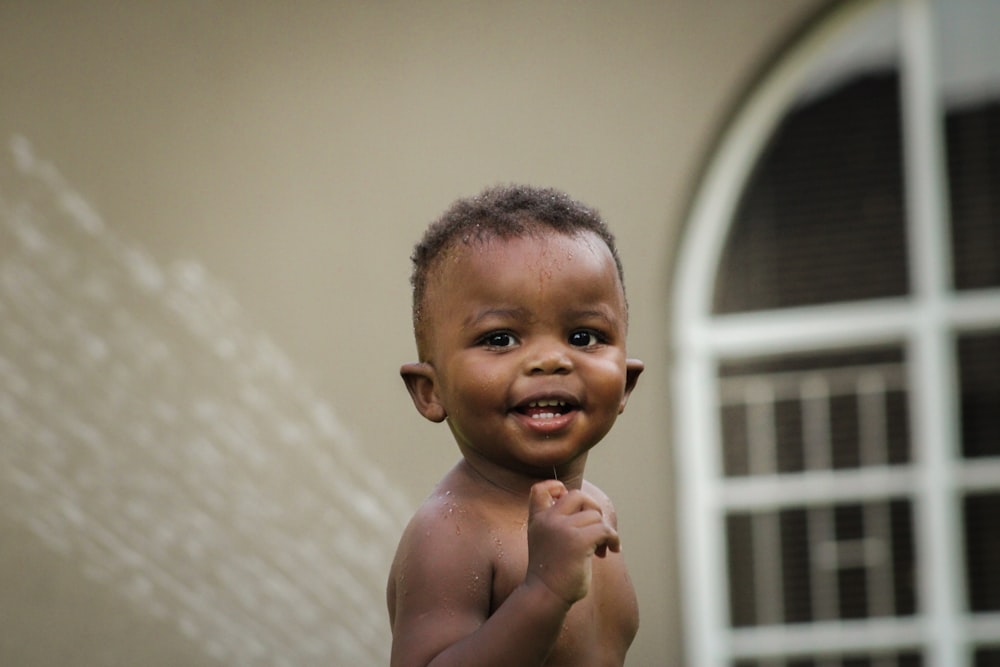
(802, 662)
(821, 219)
(788, 435)
(904, 574)
(982, 551)
(987, 657)
(898, 423)
(739, 534)
(979, 379)
(973, 143)
(796, 568)
(844, 429)
(856, 662)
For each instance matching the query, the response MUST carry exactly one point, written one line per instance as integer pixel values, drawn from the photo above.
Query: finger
(544, 494)
(603, 537)
(587, 517)
(602, 549)
(578, 501)
(614, 543)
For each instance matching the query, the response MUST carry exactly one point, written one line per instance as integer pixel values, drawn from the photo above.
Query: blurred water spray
(148, 432)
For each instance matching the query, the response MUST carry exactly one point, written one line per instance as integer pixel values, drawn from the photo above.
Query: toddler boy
(520, 320)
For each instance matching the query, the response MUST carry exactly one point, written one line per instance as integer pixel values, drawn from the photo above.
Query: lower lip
(547, 425)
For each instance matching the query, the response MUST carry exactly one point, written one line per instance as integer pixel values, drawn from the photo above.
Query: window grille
(838, 353)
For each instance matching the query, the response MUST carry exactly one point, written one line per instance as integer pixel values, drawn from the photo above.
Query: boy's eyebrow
(522, 314)
(500, 313)
(599, 313)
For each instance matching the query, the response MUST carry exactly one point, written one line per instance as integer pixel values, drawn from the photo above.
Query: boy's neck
(517, 484)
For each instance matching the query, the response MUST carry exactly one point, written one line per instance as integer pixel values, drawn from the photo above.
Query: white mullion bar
(700, 515)
(814, 395)
(822, 580)
(872, 420)
(815, 399)
(984, 628)
(881, 586)
(978, 474)
(932, 390)
(810, 329)
(768, 585)
(872, 635)
(845, 324)
(975, 309)
(759, 402)
(818, 488)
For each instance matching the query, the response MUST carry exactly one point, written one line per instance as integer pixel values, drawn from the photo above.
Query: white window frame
(924, 323)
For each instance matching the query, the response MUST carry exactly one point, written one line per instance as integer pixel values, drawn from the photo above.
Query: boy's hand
(565, 528)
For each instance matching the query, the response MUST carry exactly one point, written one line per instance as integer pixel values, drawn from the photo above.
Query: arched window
(837, 332)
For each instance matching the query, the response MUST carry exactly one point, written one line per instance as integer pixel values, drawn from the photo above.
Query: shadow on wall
(150, 434)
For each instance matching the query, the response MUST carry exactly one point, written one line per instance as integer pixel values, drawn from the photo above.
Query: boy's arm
(443, 586)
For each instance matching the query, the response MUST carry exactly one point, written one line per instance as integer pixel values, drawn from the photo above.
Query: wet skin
(525, 360)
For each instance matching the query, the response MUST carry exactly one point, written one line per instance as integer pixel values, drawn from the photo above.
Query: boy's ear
(421, 382)
(633, 368)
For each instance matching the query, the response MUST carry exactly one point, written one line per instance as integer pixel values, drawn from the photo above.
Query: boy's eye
(584, 338)
(499, 339)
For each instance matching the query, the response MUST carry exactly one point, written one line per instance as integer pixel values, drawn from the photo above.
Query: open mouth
(546, 409)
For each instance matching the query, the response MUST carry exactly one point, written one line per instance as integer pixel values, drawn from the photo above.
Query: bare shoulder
(603, 500)
(445, 531)
(439, 583)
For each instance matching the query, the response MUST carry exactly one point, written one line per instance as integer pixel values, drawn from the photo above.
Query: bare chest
(599, 628)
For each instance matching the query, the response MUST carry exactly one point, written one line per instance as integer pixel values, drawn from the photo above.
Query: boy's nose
(549, 358)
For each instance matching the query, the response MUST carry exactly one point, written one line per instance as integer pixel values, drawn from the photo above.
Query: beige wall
(292, 153)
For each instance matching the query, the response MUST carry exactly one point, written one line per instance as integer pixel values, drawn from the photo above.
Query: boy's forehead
(494, 262)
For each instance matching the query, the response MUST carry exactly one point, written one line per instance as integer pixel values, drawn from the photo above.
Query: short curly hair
(501, 212)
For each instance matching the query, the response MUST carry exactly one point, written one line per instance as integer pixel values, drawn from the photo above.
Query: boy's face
(525, 349)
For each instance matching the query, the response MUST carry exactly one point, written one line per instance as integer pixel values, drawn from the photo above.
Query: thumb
(544, 494)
